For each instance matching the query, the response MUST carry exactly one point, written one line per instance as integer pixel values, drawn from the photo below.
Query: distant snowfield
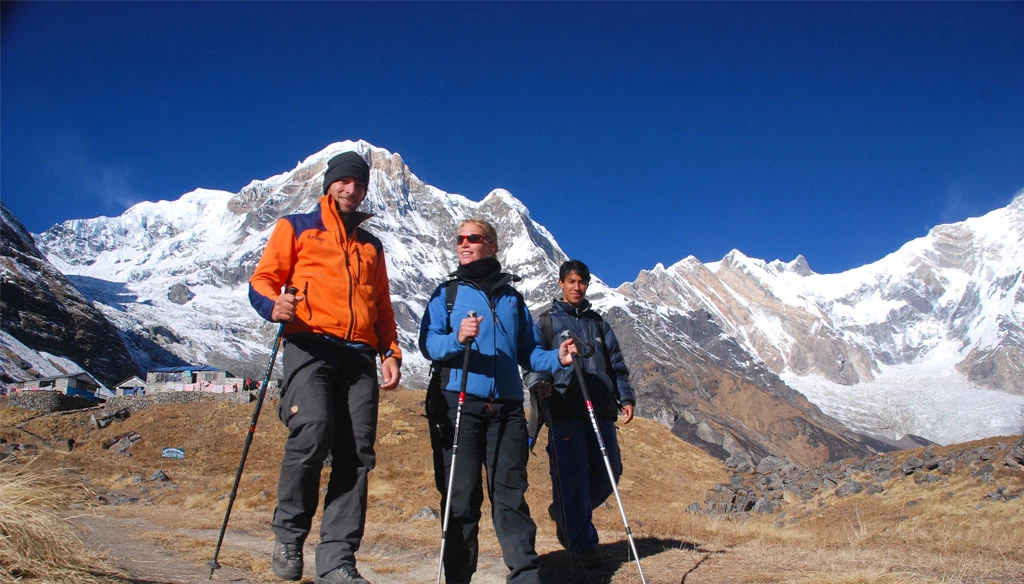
(931, 400)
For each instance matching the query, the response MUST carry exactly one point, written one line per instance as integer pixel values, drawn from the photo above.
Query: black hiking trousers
(329, 404)
(492, 435)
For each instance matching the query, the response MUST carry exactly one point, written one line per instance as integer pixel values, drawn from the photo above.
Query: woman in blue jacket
(492, 429)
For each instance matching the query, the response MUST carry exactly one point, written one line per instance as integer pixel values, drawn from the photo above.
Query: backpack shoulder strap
(538, 418)
(451, 290)
(603, 327)
(433, 403)
(546, 327)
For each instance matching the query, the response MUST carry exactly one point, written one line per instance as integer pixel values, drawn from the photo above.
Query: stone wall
(135, 403)
(48, 401)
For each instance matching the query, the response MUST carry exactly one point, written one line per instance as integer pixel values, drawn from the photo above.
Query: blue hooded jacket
(507, 340)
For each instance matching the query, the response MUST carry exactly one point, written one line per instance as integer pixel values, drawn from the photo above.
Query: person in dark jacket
(579, 477)
(337, 324)
(492, 428)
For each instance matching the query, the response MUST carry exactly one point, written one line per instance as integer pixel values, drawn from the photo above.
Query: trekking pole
(604, 453)
(212, 564)
(455, 448)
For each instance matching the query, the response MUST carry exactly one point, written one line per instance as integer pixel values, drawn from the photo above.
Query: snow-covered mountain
(176, 272)
(927, 340)
(709, 344)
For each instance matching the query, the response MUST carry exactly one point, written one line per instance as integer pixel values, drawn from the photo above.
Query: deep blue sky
(636, 133)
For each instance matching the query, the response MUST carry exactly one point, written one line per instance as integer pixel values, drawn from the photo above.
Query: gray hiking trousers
(329, 404)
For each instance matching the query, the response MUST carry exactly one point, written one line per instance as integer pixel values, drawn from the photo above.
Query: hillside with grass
(966, 524)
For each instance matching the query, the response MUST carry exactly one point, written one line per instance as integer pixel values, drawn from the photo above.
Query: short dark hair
(571, 266)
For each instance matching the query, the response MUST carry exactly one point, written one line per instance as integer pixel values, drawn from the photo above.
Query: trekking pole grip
(466, 352)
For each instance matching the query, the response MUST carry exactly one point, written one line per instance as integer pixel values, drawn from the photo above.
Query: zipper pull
(305, 297)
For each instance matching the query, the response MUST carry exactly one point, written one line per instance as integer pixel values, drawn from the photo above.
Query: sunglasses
(472, 237)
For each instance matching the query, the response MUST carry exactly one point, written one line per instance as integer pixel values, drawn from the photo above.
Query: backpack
(538, 408)
(435, 404)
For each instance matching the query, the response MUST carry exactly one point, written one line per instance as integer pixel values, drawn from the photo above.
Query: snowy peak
(798, 266)
(205, 245)
(948, 306)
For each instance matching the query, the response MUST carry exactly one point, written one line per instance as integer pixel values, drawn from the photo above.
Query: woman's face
(471, 244)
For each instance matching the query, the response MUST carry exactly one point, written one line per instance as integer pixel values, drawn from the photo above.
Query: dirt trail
(147, 562)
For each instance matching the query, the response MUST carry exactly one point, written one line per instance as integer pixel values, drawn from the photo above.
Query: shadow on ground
(562, 567)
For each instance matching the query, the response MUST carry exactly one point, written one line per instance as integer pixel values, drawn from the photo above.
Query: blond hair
(488, 230)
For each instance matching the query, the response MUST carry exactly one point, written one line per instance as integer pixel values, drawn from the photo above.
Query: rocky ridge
(762, 487)
(43, 310)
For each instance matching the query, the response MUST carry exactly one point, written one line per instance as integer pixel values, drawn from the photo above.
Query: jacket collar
(503, 279)
(332, 219)
(577, 311)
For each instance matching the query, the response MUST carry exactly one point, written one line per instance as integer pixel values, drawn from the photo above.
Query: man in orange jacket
(336, 325)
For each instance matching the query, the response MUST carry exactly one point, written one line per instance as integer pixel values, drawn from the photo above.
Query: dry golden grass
(911, 533)
(36, 543)
(11, 416)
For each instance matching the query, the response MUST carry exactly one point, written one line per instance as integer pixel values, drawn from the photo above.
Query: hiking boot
(343, 574)
(286, 561)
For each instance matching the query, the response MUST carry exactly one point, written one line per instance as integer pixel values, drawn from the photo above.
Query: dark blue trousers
(579, 477)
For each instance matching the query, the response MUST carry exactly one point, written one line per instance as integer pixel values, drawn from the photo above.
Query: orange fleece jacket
(344, 279)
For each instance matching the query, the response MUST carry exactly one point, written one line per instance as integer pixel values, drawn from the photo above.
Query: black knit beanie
(346, 165)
